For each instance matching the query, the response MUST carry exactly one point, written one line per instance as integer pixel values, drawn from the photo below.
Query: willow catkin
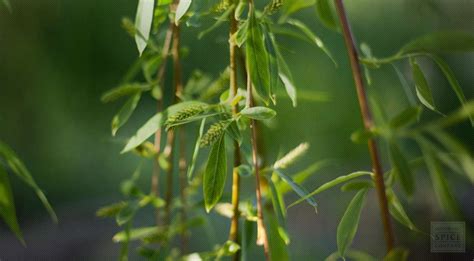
(184, 114)
(291, 156)
(213, 133)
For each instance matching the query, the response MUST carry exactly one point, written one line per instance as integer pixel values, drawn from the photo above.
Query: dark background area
(58, 56)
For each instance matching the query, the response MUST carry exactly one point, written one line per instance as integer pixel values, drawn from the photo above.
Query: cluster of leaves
(207, 105)
(7, 204)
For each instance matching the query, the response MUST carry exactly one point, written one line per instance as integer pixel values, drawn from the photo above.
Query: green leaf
(302, 192)
(242, 33)
(354, 255)
(400, 165)
(258, 64)
(143, 21)
(244, 170)
(289, 87)
(397, 211)
(183, 6)
(220, 20)
(292, 6)
(397, 254)
(196, 151)
(301, 176)
(215, 174)
(136, 234)
(312, 37)
(278, 248)
(280, 210)
(449, 74)
(333, 183)
(325, 15)
(347, 227)
(125, 112)
(233, 131)
(148, 129)
(258, 113)
(440, 184)
(17, 166)
(124, 90)
(111, 210)
(272, 57)
(7, 206)
(440, 42)
(423, 91)
(357, 185)
(127, 213)
(407, 116)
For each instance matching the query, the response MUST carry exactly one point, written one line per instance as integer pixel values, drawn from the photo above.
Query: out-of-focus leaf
(278, 249)
(136, 233)
(423, 91)
(257, 58)
(289, 87)
(354, 255)
(397, 254)
(242, 33)
(325, 14)
(280, 210)
(181, 9)
(7, 205)
(258, 113)
(196, 151)
(126, 213)
(17, 166)
(219, 21)
(315, 39)
(357, 185)
(292, 6)
(301, 176)
(7, 5)
(440, 42)
(125, 112)
(449, 74)
(143, 22)
(111, 210)
(333, 183)
(298, 189)
(124, 90)
(215, 174)
(349, 223)
(397, 211)
(405, 117)
(400, 165)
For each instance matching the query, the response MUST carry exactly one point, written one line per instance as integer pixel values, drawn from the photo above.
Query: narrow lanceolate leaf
(148, 129)
(423, 91)
(347, 228)
(215, 175)
(397, 211)
(272, 58)
(333, 183)
(257, 59)
(440, 42)
(325, 15)
(449, 74)
(280, 211)
(143, 22)
(258, 113)
(196, 151)
(301, 176)
(401, 167)
(404, 118)
(298, 189)
(292, 6)
(441, 187)
(125, 112)
(220, 20)
(183, 6)
(136, 234)
(397, 254)
(7, 205)
(312, 37)
(289, 87)
(21, 171)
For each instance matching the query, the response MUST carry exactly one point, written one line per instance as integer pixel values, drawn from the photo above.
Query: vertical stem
(368, 123)
(234, 226)
(156, 168)
(262, 238)
(182, 187)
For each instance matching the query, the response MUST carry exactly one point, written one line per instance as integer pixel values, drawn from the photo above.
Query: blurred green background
(58, 56)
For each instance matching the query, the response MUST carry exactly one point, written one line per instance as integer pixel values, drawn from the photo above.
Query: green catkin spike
(184, 114)
(214, 133)
(273, 6)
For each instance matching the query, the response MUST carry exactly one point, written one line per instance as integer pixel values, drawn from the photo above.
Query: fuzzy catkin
(213, 133)
(291, 157)
(184, 114)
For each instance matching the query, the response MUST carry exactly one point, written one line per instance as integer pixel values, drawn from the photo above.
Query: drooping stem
(368, 123)
(155, 178)
(262, 237)
(234, 226)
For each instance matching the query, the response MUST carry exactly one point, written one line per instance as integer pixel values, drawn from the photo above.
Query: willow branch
(368, 123)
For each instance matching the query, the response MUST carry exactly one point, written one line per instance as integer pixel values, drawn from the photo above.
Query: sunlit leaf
(17, 166)
(258, 113)
(125, 112)
(215, 174)
(333, 183)
(349, 223)
(181, 9)
(143, 22)
(400, 165)
(7, 205)
(423, 91)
